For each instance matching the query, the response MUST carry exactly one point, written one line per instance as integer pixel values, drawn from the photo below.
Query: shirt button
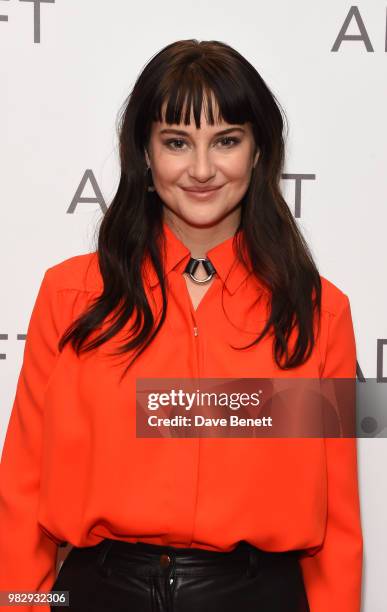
(165, 560)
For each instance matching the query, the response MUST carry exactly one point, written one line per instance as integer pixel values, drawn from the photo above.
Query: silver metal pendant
(192, 265)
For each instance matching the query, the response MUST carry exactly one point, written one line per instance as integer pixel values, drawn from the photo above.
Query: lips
(205, 190)
(202, 195)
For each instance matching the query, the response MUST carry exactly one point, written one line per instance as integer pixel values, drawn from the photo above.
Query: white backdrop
(66, 68)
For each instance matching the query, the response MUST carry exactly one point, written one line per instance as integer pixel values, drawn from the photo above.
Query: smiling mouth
(201, 194)
(209, 190)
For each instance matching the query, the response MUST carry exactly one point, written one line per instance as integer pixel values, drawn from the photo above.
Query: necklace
(193, 264)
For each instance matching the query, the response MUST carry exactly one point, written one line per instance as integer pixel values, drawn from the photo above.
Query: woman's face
(185, 161)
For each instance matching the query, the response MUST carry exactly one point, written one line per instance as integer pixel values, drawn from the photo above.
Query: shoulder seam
(79, 289)
(84, 281)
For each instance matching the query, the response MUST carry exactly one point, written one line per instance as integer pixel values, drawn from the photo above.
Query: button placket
(165, 561)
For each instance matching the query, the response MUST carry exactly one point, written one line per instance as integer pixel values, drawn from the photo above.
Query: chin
(204, 220)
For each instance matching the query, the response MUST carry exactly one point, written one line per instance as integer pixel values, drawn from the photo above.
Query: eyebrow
(184, 133)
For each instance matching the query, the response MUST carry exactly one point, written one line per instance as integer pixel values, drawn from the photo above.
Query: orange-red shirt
(74, 471)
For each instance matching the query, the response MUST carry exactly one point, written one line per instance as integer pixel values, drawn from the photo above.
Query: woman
(200, 272)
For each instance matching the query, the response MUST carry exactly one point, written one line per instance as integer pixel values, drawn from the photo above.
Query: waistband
(143, 559)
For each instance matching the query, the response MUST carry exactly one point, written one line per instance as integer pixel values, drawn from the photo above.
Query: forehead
(205, 124)
(182, 128)
(190, 128)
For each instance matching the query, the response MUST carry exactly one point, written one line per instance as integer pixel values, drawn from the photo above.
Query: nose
(201, 167)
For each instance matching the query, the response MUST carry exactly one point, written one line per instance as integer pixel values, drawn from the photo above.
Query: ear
(147, 157)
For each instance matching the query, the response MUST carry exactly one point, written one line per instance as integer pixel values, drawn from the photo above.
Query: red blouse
(74, 471)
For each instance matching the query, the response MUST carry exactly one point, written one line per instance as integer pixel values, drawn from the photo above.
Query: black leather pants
(117, 576)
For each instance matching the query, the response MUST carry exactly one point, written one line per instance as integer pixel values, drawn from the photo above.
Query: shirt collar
(223, 256)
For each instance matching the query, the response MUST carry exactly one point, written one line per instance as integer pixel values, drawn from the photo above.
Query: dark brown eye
(230, 140)
(172, 141)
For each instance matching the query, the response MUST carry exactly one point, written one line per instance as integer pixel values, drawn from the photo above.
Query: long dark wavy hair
(182, 75)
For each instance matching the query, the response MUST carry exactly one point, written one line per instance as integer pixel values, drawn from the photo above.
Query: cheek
(237, 170)
(167, 170)
(237, 167)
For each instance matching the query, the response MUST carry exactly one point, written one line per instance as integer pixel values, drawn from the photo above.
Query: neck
(200, 239)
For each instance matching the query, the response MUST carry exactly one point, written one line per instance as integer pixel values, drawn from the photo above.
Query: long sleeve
(333, 576)
(27, 555)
